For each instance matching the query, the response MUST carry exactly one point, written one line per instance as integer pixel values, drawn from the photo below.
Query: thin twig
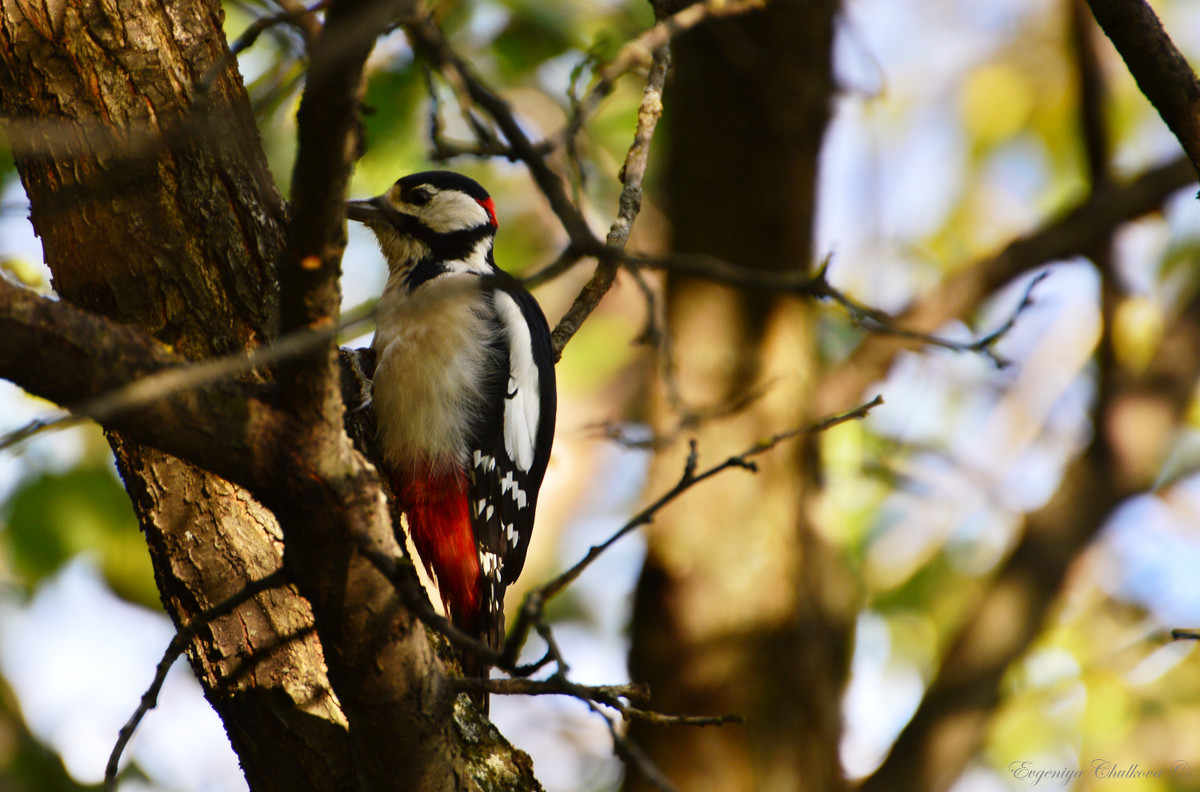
(556, 685)
(183, 636)
(486, 145)
(428, 38)
(638, 52)
(818, 287)
(610, 255)
(303, 19)
(691, 478)
(166, 382)
(631, 754)
(533, 606)
(615, 696)
(870, 320)
(628, 206)
(294, 16)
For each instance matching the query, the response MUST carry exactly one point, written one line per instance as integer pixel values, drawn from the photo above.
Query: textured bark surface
(1161, 71)
(125, 161)
(738, 608)
(135, 141)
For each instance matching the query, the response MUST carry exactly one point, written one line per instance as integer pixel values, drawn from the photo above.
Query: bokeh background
(956, 129)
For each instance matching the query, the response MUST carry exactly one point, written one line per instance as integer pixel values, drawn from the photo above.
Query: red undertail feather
(440, 522)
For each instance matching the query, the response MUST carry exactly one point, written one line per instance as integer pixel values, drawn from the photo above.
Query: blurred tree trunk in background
(739, 608)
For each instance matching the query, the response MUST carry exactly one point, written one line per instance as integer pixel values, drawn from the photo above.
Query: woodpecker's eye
(420, 196)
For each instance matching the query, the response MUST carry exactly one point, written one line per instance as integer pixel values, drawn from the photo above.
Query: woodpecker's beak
(378, 213)
(364, 211)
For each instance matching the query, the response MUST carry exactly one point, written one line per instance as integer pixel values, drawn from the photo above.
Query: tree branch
(535, 601)
(1074, 232)
(327, 139)
(629, 204)
(427, 37)
(1161, 71)
(175, 648)
(131, 382)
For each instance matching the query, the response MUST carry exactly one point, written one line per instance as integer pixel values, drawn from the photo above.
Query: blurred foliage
(8, 169)
(26, 764)
(52, 517)
(961, 148)
(395, 100)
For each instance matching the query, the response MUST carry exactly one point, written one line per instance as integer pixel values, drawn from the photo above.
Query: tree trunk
(124, 161)
(741, 606)
(135, 141)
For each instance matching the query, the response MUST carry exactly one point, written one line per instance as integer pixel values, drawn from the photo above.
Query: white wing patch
(521, 409)
(509, 482)
(492, 564)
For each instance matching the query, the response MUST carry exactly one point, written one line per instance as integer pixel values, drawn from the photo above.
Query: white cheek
(453, 211)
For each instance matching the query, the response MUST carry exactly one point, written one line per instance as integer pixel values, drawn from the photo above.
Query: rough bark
(1161, 71)
(134, 139)
(740, 607)
(121, 173)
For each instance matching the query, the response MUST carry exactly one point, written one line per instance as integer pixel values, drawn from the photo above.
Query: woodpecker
(464, 393)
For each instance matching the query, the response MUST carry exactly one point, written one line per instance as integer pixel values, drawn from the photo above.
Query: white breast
(432, 354)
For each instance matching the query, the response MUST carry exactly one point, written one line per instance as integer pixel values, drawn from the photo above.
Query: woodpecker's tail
(440, 526)
(475, 667)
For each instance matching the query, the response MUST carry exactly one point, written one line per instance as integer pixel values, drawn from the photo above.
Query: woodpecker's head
(435, 216)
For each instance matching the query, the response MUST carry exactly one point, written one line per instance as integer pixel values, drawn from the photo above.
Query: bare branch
(557, 685)
(632, 754)
(640, 51)
(1161, 71)
(1075, 232)
(427, 37)
(872, 320)
(183, 636)
(817, 286)
(156, 385)
(535, 601)
(327, 138)
(629, 204)
(303, 19)
(56, 351)
(615, 696)
(297, 16)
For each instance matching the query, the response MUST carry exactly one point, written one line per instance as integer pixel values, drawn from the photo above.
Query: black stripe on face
(425, 270)
(452, 246)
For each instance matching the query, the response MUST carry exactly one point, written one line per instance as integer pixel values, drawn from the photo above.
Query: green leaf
(55, 516)
(395, 132)
(529, 41)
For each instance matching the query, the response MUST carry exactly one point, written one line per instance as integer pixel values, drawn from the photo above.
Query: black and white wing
(510, 451)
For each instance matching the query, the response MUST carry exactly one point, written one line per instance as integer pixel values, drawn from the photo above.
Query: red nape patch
(439, 518)
(490, 206)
